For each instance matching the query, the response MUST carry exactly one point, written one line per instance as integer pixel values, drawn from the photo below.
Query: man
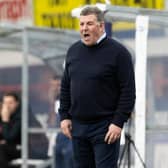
(10, 128)
(97, 93)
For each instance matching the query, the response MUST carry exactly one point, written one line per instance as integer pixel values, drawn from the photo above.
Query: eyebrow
(87, 22)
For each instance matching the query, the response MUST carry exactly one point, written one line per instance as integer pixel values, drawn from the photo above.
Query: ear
(102, 26)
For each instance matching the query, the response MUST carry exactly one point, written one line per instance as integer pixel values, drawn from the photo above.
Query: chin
(89, 44)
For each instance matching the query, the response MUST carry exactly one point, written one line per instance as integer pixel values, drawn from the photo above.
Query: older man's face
(90, 29)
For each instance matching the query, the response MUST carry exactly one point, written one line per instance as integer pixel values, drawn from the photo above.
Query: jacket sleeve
(65, 98)
(11, 131)
(126, 84)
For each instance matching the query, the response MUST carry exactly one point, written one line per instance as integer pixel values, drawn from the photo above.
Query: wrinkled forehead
(88, 18)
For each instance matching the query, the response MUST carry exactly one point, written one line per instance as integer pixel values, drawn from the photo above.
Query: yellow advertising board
(57, 13)
(155, 4)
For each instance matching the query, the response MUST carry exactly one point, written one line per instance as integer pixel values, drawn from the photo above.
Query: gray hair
(93, 10)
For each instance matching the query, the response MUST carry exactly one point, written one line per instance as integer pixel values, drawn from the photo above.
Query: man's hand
(5, 113)
(66, 127)
(114, 133)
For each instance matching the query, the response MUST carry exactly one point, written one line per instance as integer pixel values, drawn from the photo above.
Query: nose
(85, 27)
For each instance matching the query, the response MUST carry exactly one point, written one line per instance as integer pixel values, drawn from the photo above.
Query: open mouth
(86, 36)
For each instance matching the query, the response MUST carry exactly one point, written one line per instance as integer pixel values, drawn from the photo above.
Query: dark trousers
(90, 150)
(7, 153)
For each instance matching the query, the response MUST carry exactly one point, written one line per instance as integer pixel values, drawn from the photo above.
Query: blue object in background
(63, 152)
(108, 29)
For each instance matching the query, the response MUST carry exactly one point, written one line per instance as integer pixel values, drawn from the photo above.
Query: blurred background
(34, 38)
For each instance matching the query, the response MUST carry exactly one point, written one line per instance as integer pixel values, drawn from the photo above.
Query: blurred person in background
(54, 95)
(97, 93)
(10, 128)
(64, 152)
(63, 149)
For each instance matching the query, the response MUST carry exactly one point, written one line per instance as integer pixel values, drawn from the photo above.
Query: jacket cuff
(119, 121)
(65, 116)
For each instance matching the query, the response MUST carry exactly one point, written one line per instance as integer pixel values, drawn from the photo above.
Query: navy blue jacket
(98, 83)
